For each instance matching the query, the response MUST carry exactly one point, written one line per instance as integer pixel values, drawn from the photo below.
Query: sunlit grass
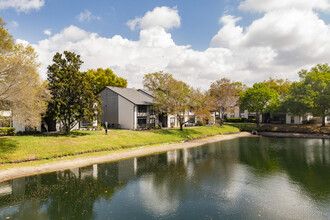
(19, 148)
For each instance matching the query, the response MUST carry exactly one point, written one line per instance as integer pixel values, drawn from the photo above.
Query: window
(292, 119)
(142, 108)
(142, 121)
(151, 110)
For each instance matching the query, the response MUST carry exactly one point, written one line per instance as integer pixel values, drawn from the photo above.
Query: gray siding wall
(109, 107)
(126, 113)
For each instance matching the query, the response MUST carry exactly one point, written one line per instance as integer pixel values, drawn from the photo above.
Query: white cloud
(278, 44)
(48, 32)
(87, 16)
(24, 42)
(271, 5)
(230, 35)
(22, 5)
(164, 17)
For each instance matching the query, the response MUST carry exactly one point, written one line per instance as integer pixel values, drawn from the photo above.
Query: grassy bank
(19, 148)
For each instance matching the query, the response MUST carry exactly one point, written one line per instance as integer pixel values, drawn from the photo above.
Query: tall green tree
(101, 78)
(170, 95)
(21, 89)
(312, 93)
(73, 98)
(259, 99)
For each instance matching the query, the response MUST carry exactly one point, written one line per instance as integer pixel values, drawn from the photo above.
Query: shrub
(199, 123)
(235, 120)
(157, 127)
(7, 131)
(252, 120)
(22, 133)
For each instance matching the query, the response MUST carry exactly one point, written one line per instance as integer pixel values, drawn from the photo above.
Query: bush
(157, 127)
(253, 120)
(7, 131)
(22, 133)
(235, 120)
(199, 123)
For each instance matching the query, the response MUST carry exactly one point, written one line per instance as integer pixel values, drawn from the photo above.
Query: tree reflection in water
(216, 180)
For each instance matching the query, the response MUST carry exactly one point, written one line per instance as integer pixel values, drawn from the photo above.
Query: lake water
(245, 178)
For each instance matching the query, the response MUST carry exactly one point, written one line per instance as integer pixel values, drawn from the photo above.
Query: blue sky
(198, 41)
(199, 18)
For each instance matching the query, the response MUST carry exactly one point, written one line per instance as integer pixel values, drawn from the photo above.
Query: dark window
(292, 120)
(142, 121)
(142, 108)
(151, 110)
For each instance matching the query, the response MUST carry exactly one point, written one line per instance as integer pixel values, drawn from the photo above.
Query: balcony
(142, 113)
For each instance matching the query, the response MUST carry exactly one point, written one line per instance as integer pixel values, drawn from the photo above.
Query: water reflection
(241, 178)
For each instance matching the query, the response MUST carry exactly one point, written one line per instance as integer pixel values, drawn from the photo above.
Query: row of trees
(309, 95)
(70, 95)
(176, 98)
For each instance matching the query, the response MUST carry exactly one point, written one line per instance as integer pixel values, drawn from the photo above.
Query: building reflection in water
(219, 172)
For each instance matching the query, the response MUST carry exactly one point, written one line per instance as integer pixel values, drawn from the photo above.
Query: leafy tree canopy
(280, 85)
(170, 95)
(312, 93)
(202, 104)
(224, 94)
(101, 78)
(260, 98)
(73, 97)
(21, 89)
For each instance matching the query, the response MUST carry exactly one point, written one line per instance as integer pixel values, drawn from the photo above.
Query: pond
(244, 178)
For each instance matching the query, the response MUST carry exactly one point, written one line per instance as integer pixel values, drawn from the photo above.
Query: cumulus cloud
(164, 17)
(230, 35)
(278, 44)
(22, 5)
(271, 5)
(288, 37)
(87, 16)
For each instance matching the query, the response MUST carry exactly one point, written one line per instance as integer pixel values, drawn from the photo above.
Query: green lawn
(17, 148)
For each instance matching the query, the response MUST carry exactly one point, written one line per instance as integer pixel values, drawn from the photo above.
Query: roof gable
(133, 95)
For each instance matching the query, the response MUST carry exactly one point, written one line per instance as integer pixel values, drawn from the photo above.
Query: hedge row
(241, 120)
(7, 131)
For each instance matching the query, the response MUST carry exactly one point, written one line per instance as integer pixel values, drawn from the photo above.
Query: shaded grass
(32, 147)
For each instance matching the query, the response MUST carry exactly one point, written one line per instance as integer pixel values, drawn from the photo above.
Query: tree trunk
(258, 119)
(67, 127)
(221, 114)
(323, 121)
(181, 126)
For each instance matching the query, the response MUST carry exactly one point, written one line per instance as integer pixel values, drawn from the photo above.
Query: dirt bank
(64, 164)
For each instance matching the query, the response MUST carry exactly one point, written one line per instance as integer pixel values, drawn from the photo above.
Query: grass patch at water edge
(18, 148)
